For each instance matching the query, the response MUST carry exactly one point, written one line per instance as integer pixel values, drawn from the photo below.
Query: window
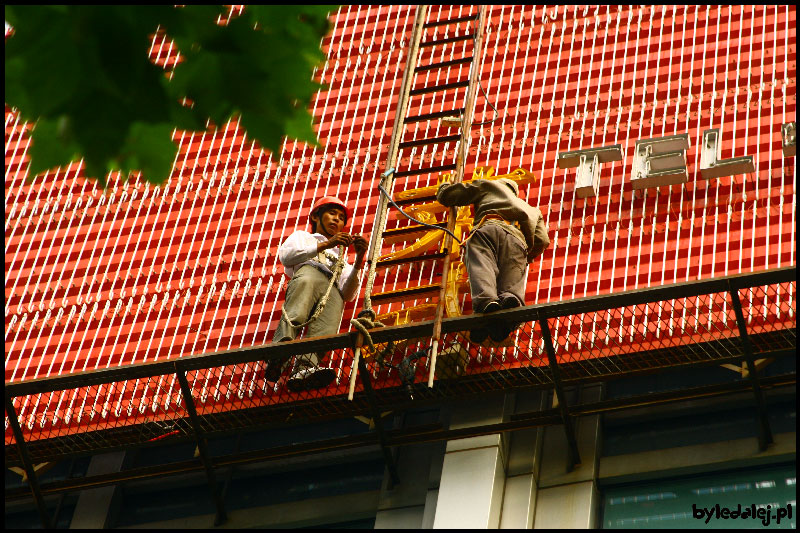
(677, 502)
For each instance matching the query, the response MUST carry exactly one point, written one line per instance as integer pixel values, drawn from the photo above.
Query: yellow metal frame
(457, 282)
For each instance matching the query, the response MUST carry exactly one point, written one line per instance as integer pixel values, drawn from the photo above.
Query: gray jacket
(499, 197)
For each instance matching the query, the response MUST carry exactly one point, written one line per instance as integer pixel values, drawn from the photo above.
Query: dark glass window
(676, 503)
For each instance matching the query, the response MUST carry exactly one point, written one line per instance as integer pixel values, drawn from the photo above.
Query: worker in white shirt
(310, 260)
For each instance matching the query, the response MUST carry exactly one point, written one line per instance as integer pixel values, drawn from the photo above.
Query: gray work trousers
(303, 293)
(495, 259)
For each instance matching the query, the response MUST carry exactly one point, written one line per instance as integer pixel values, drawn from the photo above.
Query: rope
(366, 318)
(337, 271)
(376, 249)
(434, 226)
(482, 89)
(366, 321)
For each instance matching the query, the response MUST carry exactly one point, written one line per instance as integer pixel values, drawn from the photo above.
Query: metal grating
(593, 339)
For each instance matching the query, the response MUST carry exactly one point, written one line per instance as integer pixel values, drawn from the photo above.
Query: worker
(310, 260)
(508, 235)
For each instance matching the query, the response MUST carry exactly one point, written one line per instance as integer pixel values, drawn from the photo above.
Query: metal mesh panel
(518, 361)
(70, 421)
(12, 451)
(646, 336)
(770, 314)
(589, 343)
(239, 396)
(462, 367)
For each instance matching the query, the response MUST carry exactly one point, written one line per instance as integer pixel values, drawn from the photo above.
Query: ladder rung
(434, 208)
(437, 88)
(405, 260)
(419, 171)
(450, 21)
(432, 66)
(448, 40)
(432, 140)
(403, 295)
(426, 199)
(408, 233)
(439, 114)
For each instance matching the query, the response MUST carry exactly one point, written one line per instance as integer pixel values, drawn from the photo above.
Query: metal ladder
(457, 168)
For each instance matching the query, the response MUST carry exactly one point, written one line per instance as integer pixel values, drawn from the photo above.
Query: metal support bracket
(33, 481)
(764, 432)
(712, 167)
(573, 457)
(660, 161)
(789, 139)
(377, 421)
(202, 447)
(587, 178)
(588, 161)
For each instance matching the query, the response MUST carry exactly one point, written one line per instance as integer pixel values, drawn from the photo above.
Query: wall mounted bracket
(588, 161)
(712, 167)
(660, 161)
(789, 138)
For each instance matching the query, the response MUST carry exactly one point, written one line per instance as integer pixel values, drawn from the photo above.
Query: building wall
(444, 484)
(132, 274)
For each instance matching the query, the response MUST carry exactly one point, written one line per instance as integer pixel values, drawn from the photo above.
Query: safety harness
(337, 271)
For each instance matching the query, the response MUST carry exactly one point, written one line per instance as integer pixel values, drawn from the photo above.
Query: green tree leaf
(37, 55)
(51, 146)
(300, 127)
(84, 74)
(149, 148)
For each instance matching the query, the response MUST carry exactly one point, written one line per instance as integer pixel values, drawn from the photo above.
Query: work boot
(499, 331)
(491, 307)
(274, 368)
(510, 302)
(309, 378)
(479, 334)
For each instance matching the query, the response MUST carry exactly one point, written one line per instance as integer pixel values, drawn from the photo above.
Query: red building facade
(99, 279)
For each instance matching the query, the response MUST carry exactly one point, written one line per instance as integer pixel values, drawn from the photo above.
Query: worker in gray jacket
(507, 235)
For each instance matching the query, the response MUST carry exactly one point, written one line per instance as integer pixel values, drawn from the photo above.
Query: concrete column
(572, 506)
(524, 459)
(94, 505)
(411, 504)
(570, 500)
(473, 473)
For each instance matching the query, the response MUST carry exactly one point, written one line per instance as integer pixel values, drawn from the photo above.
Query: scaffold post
(764, 431)
(33, 481)
(377, 421)
(573, 457)
(221, 516)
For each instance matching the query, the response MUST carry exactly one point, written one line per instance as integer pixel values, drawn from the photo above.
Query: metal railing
(731, 320)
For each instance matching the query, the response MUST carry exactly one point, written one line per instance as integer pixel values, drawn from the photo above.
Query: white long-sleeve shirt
(300, 248)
